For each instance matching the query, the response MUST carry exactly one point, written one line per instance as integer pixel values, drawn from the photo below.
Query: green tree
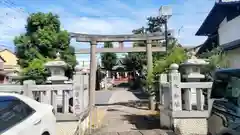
(41, 42)
(217, 59)
(154, 24)
(134, 62)
(108, 59)
(176, 55)
(161, 61)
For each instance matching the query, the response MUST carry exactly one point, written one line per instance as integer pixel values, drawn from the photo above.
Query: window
(227, 85)
(12, 112)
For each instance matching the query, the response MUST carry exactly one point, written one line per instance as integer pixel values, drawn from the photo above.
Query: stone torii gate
(94, 39)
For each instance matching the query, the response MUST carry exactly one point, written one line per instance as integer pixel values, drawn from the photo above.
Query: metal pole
(166, 33)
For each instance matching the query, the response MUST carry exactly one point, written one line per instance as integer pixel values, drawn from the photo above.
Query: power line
(13, 6)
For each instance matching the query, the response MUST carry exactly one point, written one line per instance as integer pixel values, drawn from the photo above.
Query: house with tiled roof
(221, 26)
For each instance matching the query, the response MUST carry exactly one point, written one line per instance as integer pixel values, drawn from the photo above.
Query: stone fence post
(27, 91)
(78, 89)
(162, 79)
(174, 87)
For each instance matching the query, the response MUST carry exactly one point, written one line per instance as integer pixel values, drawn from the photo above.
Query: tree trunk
(152, 103)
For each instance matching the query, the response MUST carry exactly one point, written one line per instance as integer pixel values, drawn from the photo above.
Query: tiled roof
(217, 14)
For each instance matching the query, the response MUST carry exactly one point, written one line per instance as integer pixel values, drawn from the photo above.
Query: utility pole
(165, 12)
(166, 32)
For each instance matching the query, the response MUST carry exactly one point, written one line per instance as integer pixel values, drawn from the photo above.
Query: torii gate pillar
(93, 69)
(149, 56)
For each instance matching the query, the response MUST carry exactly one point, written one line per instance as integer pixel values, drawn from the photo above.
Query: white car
(21, 115)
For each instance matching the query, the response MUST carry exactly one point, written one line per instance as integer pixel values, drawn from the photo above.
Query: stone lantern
(57, 68)
(191, 72)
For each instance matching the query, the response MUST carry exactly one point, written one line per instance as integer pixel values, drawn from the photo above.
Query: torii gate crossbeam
(94, 39)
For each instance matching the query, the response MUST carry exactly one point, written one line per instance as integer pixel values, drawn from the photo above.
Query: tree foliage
(217, 58)
(108, 59)
(175, 55)
(154, 24)
(134, 62)
(41, 42)
(138, 61)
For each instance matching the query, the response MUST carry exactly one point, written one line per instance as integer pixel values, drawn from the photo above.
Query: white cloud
(113, 25)
(106, 17)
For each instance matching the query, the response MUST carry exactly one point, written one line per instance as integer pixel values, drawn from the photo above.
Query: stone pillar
(27, 91)
(172, 98)
(93, 69)
(78, 93)
(149, 56)
(175, 90)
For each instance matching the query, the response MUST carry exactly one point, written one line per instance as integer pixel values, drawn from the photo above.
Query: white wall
(234, 58)
(229, 31)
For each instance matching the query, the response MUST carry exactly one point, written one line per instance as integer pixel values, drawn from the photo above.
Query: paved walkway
(125, 117)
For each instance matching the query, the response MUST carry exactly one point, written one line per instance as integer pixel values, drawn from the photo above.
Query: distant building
(84, 64)
(8, 66)
(192, 49)
(2, 73)
(11, 60)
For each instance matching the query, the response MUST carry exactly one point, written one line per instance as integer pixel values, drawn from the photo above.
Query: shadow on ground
(139, 104)
(147, 122)
(123, 85)
(138, 91)
(144, 122)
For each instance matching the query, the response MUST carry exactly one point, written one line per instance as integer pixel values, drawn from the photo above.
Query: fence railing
(183, 99)
(69, 100)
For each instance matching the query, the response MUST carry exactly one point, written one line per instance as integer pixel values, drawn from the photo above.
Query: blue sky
(104, 17)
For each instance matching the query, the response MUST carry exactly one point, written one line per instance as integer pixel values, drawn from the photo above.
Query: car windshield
(11, 112)
(227, 85)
